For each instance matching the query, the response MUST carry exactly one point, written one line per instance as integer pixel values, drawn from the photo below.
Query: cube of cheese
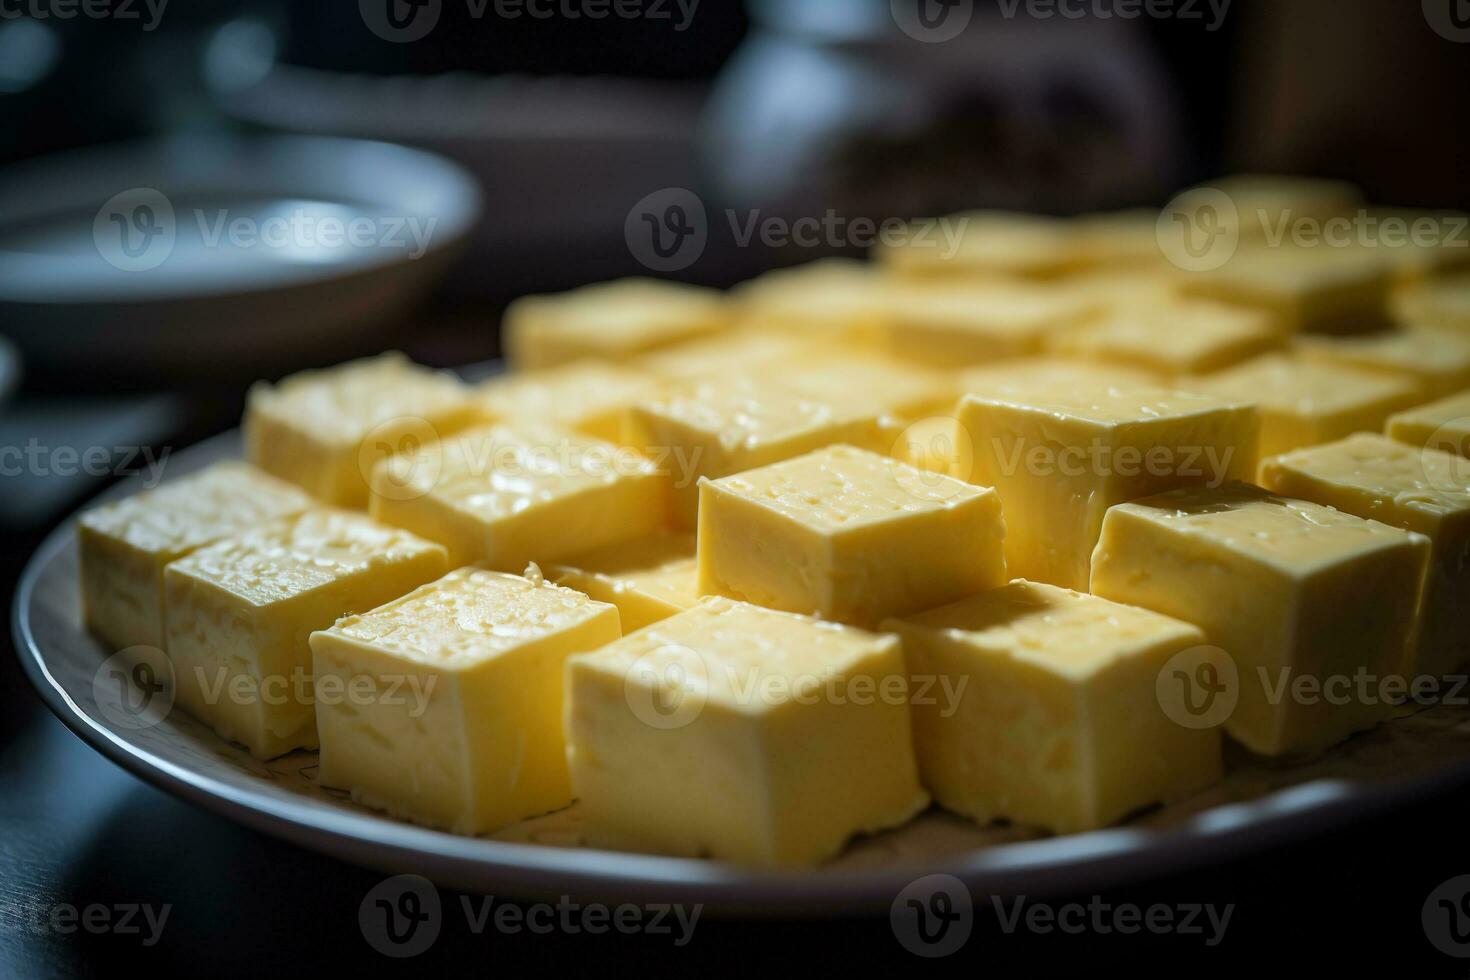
(1047, 710)
(955, 326)
(1304, 600)
(325, 430)
(611, 320)
(1419, 244)
(648, 580)
(1302, 290)
(1174, 339)
(124, 547)
(742, 734)
(1121, 291)
(735, 352)
(1029, 371)
(1442, 425)
(510, 494)
(1119, 243)
(849, 536)
(903, 391)
(985, 244)
(1438, 303)
(445, 706)
(1303, 403)
(830, 300)
(237, 615)
(1421, 490)
(1436, 361)
(593, 397)
(719, 426)
(1263, 202)
(1060, 455)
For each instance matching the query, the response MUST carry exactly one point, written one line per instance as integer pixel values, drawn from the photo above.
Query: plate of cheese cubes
(1037, 562)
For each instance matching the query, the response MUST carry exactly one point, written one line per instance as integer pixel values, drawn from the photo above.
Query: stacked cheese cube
(1025, 527)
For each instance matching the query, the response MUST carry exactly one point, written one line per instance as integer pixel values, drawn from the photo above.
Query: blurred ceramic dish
(220, 251)
(1255, 807)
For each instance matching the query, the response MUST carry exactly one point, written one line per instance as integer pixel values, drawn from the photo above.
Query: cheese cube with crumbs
(1305, 403)
(848, 535)
(1315, 608)
(1176, 339)
(124, 547)
(1301, 290)
(1443, 425)
(742, 734)
(326, 430)
(1051, 716)
(648, 580)
(237, 615)
(720, 426)
(954, 326)
(593, 397)
(1416, 489)
(612, 321)
(1437, 362)
(1061, 455)
(444, 707)
(507, 495)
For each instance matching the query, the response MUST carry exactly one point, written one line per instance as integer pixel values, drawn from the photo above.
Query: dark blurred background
(559, 121)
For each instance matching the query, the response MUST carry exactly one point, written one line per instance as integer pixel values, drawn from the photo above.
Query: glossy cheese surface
(1416, 489)
(1437, 361)
(735, 732)
(592, 397)
(1055, 720)
(1028, 371)
(848, 535)
(901, 390)
(1287, 588)
(1174, 339)
(1303, 403)
(461, 725)
(612, 320)
(123, 547)
(648, 579)
(1443, 425)
(520, 492)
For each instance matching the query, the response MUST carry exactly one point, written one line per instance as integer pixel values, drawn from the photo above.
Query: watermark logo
(135, 230)
(1211, 12)
(933, 916)
(668, 230)
(1198, 688)
(1450, 19)
(933, 21)
(402, 458)
(666, 688)
(400, 21)
(134, 688)
(1210, 465)
(1199, 230)
(401, 916)
(1448, 475)
(143, 920)
(148, 12)
(1102, 918)
(1446, 917)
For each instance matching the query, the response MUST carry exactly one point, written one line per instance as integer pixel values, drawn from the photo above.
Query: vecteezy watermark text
(147, 12)
(35, 458)
(406, 21)
(1210, 464)
(140, 919)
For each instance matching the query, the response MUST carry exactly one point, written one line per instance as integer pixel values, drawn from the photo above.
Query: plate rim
(1053, 865)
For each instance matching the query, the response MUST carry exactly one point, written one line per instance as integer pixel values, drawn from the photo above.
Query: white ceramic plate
(1256, 806)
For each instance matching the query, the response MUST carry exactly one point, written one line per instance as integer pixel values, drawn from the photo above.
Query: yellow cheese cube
(1046, 710)
(1060, 455)
(1436, 361)
(1302, 598)
(124, 547)
(1266, 204)
(1030, 371)
(1419, 490)
(983, 244)
(1303, 403)
(1124, 291)
(831, 300)
(1120, 242)
(238, 614)
(1443, 425)
(1440, 303)
(720, 426)
(1419, 244)
(1303, 290)
(611, 320)
(1175, 339)
(903, 391)
(956, 326)
(742, 734)
(849, 536)
(445, 706)
(592, 397)
(736, 352)
(515, 493)
(648, 580)
(325, 430)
